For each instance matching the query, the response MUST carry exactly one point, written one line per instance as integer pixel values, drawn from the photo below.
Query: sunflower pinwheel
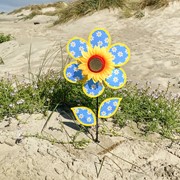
(96, 63)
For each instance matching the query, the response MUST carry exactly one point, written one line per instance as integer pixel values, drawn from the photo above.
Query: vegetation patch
(37, 10)
(157, 109)
(57, 5)
(33, 14)
(153, 3)
(4, 38)
(81, 8)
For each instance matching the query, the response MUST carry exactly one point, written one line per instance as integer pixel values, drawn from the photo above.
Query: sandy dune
(154, 41)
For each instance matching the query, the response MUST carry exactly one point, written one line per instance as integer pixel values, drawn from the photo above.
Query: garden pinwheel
(96, 64)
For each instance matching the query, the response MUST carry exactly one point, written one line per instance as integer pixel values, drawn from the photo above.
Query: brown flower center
(96, 63)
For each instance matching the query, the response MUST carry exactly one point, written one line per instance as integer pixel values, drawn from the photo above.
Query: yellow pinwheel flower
(97, 62)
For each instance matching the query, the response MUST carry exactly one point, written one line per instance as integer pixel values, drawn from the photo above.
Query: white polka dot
(109, 108)
(92, 38)
(81, 116)
(73, 53)
(73, 44)
(120, 54)
(81, 48)
(89, 119)
(75, 69)
(115, 103)
(116, 71)
(69, 75)
(114, 49)
(103, 113)
(115, 79)
(106, 40)
(100, 43)
(99, 34)
(93, 86)
(88, 112)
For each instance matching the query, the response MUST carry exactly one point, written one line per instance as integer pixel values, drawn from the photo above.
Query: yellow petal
(98, 76)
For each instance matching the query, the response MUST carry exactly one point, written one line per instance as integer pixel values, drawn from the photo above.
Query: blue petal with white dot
(93, 89)
(84, 115)
(109, 107)
(72, 73)
(99, 38)
(76, 46)
(121, 54)
(117, 79)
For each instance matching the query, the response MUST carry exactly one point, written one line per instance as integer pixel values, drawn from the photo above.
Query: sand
(154, 41)
(25, 154)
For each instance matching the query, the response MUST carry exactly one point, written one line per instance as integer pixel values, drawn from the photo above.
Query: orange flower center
(96, 63)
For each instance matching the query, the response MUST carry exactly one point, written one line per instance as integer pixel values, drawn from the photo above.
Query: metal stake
(97, 123)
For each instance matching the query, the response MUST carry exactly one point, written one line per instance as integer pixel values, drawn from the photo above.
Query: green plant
(153, 108)
(4, 38)
(153, 3)
(37, 9)
(81, 8)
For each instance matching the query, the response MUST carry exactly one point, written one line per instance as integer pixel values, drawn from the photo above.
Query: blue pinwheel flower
(96, 62)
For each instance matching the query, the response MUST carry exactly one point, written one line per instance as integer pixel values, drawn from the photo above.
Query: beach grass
(157, 110)
(5, 38)
(33, 14)
(80, 8)
(57, 5)
(37, 10)
(153, 3)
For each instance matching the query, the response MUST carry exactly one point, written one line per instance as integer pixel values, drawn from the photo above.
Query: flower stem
(97, 123)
